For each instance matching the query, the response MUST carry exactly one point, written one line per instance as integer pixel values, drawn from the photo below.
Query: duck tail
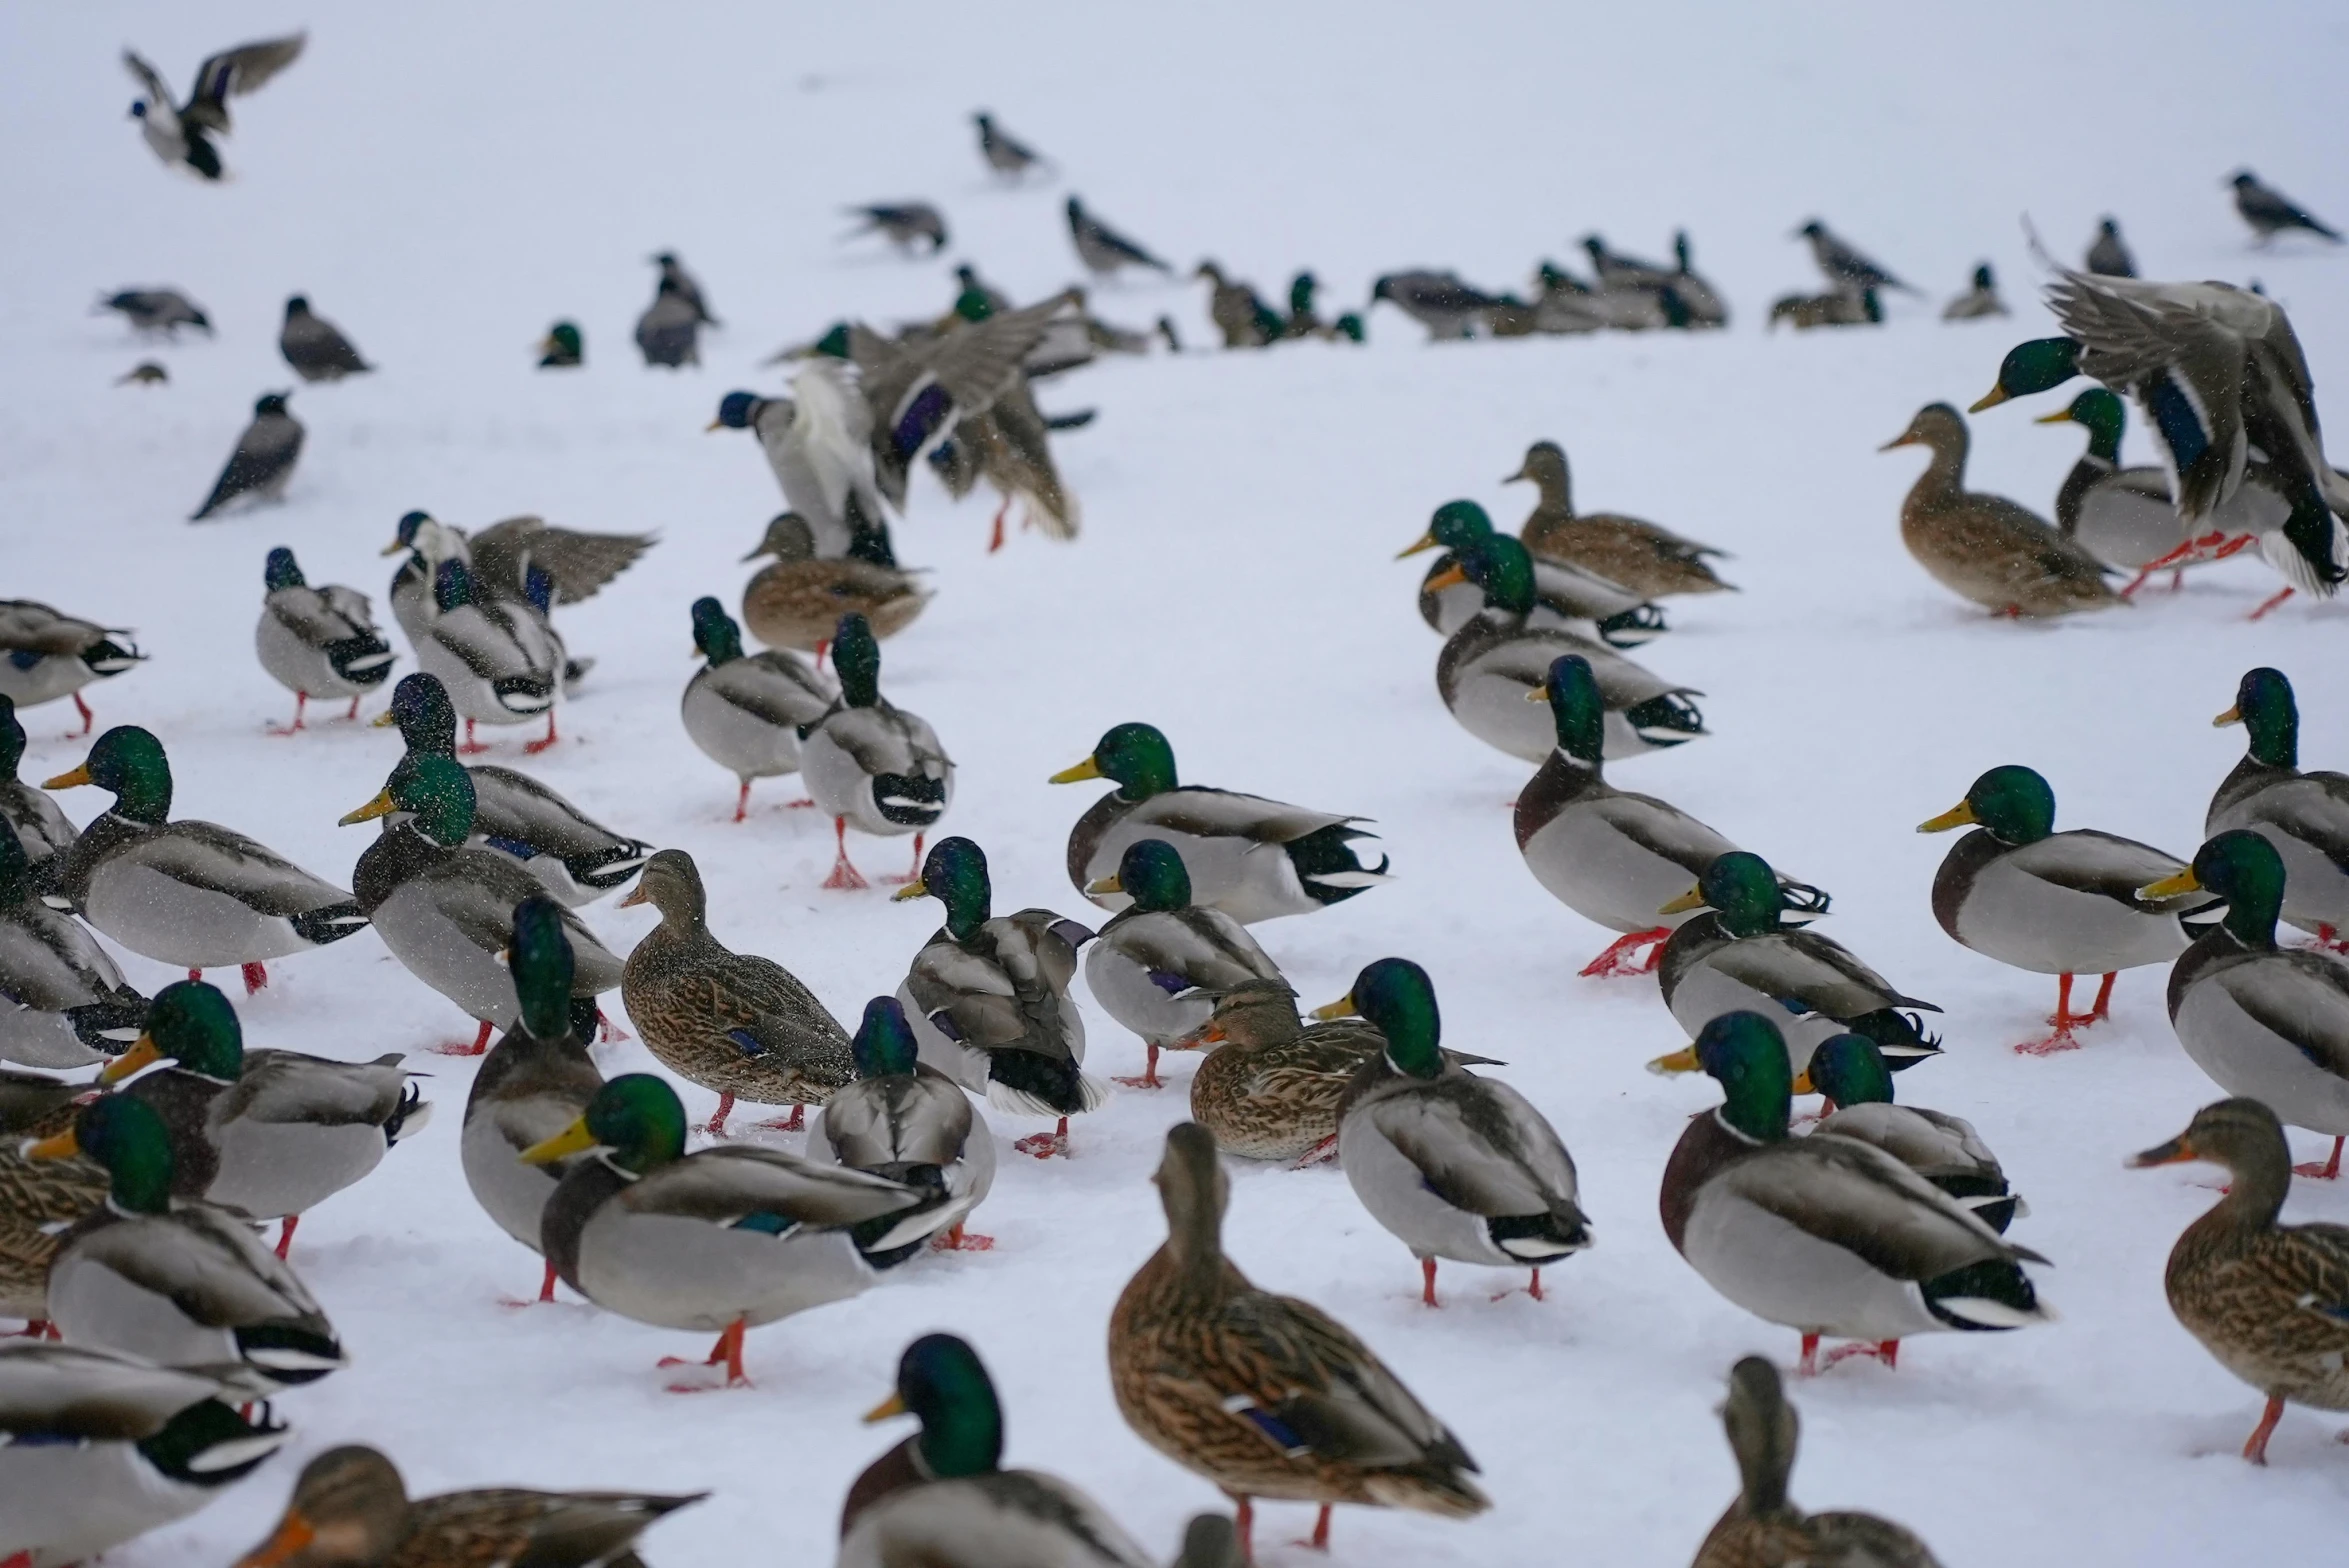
(1993, 1294)
(1327, 866)
(328, 923)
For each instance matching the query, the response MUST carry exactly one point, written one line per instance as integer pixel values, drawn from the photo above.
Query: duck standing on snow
(1650, 561)
(1978, 301)
(1568, 597)
(522, 561)
(2123, 516)
(1163, 959)
(745, 710)
(870, 762)
(1438, 301)
(818, 441)
(1253, 858)
(63, 1002)
(49, 654)
(798, 599)
(2054, 903)
(2304, 815)
(42, 831)
(1850, 1072)
(499, 662)
(317, 641)
(668, 334)
(315, 346)
(263, 460)
(2270, 212)
(905, 1120)
(181, 133)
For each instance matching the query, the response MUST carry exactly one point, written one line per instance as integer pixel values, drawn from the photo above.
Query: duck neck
(2254, 1200)
(1946, 474)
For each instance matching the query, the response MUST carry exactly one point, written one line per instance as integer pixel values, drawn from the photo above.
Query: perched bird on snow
(1835, 308)
(316, 347)
(157, 310)
(145, 373)
(680, 282)
(1238, 313)
(46, 654)
(906, 223)
(1980, 300)
(2269, 211)
(562, 348)
(1005, 153)
(1101, 248)
(2107, 254)
(318, 642)
(1438, 301)
(181, 133)
(1845, 267)
(263, 460)
(668, 334)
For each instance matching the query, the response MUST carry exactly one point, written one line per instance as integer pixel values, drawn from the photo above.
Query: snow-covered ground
(444, 181)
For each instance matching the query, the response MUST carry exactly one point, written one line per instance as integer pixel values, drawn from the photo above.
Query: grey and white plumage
(1613, 857)
(2108, 253)
(879, 768)
(526, 1091)
(1845, 266)
(29, 812)
(319, 641)
(994, 1013)
(157, 310)
(1102, 249)
(46, 654)
(1438, 301)
(906, 223)
(668, 334)
(1488, 667)
(1812, 985)
(63, 1000)
(315, 346)
(918, 1128)
(180, 134)
(263, 460)
(2064, 904)
(2270, 212)
(499, 660)
(1944, 1149)
(1158, 972)
(500, 558)
(995, 1519)
(1005, 153)
(1978, 301)
(1568, 597)
(819, 442)
(676, 280)
(746, 713)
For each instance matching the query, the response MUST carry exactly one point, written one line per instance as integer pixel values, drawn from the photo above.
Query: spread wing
(580, 563)
(159, 99)
(235, 72)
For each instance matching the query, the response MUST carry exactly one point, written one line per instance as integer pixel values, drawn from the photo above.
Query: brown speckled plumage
(797, 601)
(34, 1194)
(1650, 561)
(1270, 1090)
(1985, 548)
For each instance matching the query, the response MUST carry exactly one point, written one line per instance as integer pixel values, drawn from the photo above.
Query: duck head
(715, 636)
(636, 1120)
(435, 792)
(2264, 705)
(540, 959)
(1762, 1431)
(955, 874)
(452, 585)
(130, 762)
(281, 571)
(788, 538)
(1576, 707)
(563, 341)
(1849, 1070)
(270, 403)
(190, 1025)
(1151, 873)
(124, 1134)
(1544, 466)
(671, 883)
(1936, 425)
(1194, 1191)
(1500, 566)
(884, 1045)
(2011, 803)
(1135, 755)
(942, 1384)
(2242, 868)
(1739, 887)
(2041, 365)
(736, 410)
(420, 706)
(2102, 414)
(350, 1502)
(1455, 525)
(856, 659)
(1746, 1055)
(1397, 998)
(2245, 1137)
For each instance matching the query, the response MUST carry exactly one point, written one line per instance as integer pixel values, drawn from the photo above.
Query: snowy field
(444, 181)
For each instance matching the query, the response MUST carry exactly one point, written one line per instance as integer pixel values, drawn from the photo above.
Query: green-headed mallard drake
(2304, 815)
(1264, 1395)
(905, 1120)
(445, 910)
(1763, 1528)
(50, 654)
(870, 762)
(41, 829)
(819, 443)
(500, 660)
(1825, 1235)
(267, 1134)
(942, 1497)
(191, 894)
(1565, 596)
(536, 1081)
(577, 858)
(1985, 548)
(1489, 666)
(183, 1284)
(1161, 961)
(522, 560)
(563, 348)
(63, 1003)
(734, 1023)
(38, 1198)
(2269, 1301)
(2123, 516)
(351, 1509)
(1850, 1071)
(180, 132)
(97, 1448)
(1253, 858)
(797, 601)
(745, 710)
(1650, 561)
(989, 1001)
(1453, 1165)
(2060, 904)
(2263, 1021)
(1744, 955)
(317, 642)
(720, 1240)
(1613, 858)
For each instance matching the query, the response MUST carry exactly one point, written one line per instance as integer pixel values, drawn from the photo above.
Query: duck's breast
(2274, 1028)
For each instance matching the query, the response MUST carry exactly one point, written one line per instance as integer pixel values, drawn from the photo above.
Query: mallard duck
(1978, 301)
(1438, 301)
(1985, 548)
(942, 1497)
(38, 1198)
(819, 442)
(668, 334)
(2270, 212)
(502, 558)
(184, 1284)
(1162, 960)
(2304, 815)
(42, 831)
(797, 602)
(905, 1120)
(1826, 1235)
(2269, 1301)
(63, 1002)
(723, 1239)
(317, 641)
(1565, 596)
(1453, 1165)
(1649, 561)
(576, 858)
(262, 461)
(191, 894)
(735, 1023)
(1265, 1395)
(181, 133)
(1850, 1071)
(445, 910)
(1613, 858)
(989, 1001)
(1235, 308)
(500, 661)
(351, 1509)
(50, 654)
(536, 1081)
(745, 710)
(1763, 1528)
(1012, 444)
(870, 762)
(2054, 903)
(1835, 308)
(96, 1448)
(267, 1134)
(2268, 1022)
(1252, 858)
(2123, 516)
(1489, 666)
(1744, 955)
(562, 348)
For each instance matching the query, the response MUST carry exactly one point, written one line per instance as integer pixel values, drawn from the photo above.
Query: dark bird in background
(263, 460)
(1101, 248)
(1980, 300)
(181, 134)
(157, 310)
(1005, 153)
(669, 331)
(562, 348)
(1244, 319)
(315, 346)
(1845, 267)
(1438, 301)
(2108, 255)
(678, 281)
(146, 373)
(2269, 211)
(907, 223)
(1617, 271)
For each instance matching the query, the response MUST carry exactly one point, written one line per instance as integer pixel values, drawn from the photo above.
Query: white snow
(444, 181)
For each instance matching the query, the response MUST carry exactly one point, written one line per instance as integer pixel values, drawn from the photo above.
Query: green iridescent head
(1850, 1070)
(715, 633)
(541, 961)
(2011, 803)
(856, 657)
(1577, 708)
(1741, 888)
(1503, 568)
(2264, 705)
(128, 761)
(2103, 415)
(1151, 873)
(1136, 756)
(2041, 365)
(640, 1119)
(2244, 869)
(955, 874)
(1746, 1055)
(193, 1026)
(941, 1381)
(1396, 996)
(884, 1046)
(126, 1135)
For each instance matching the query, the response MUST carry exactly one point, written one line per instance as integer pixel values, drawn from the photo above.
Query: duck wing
(1480, 1146)
(1820, 973)
(727, 1185)
(1190, 949)
(1863, 1200)
(2301, 997)
(774, 687)
(222, 860)
(509, 1525)
(29, 626)
(234, 72)
(580, 563)
(293, 1086)
(206, 1263)
(159, 99)
(1313, 1388)
(2107, 865)
(1223, 813)
(49, 961)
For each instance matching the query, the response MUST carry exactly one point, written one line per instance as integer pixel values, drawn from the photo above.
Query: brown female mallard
(798, 601)
(1648, 560)
(38, 1198)
(1270, 1087)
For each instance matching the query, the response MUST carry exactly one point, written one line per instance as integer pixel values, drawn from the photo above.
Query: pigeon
(1980, 300)
(157, 310)
(1846, 268)
(181, 134)
(562, 348)
(907, 223)
(678, 281)
(1006, 154)
(264, 459)
(146, 373)
(315, 346)
(1438, 301)
(2269, 211)
(669, 331)
(2107, 255)
(1101, 248)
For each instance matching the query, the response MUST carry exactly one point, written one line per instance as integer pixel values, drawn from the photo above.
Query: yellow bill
(574, 1139)
(1451, 576)
(1077, 774)
(1100, 885)
(1423, 542)
(2170, 887)
(2062, 416)
(380, 806)
(1683, 1060)
(144, 1053)
(1802, 1083)
(1989, 399)
(1958, 816)
(2231, 716)
(383, 720)
(1539, 693)
(1343, 1007)
(894, 1405)
(78, 776)
(394, 548)
(917, 888)
(1694, 898)
(62, 1147)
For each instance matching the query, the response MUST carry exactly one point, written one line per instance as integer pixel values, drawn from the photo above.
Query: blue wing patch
(748, 1041)
(1283, 1437)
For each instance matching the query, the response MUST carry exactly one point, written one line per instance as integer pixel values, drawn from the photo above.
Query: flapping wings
(234, 72)
(580, 563)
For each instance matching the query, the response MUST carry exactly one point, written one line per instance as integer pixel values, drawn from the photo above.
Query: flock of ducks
(130, 1202)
